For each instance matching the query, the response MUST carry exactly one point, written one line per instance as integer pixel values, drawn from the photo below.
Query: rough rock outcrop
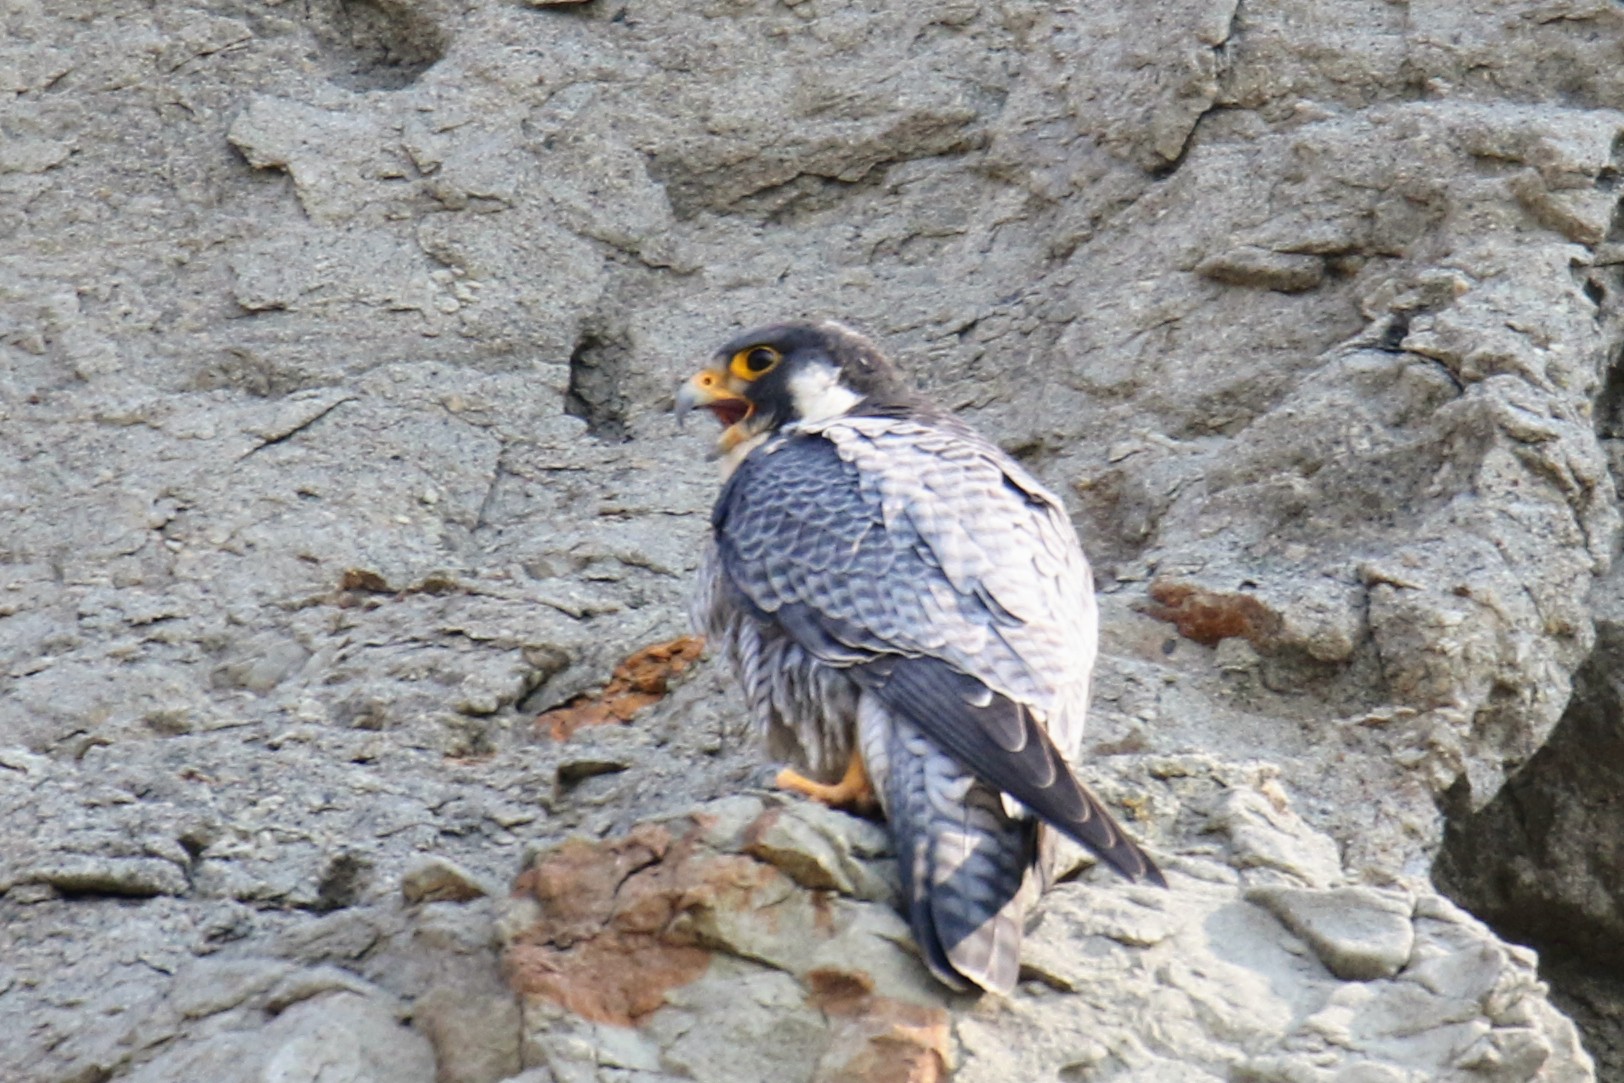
(753, 939)
(335, 341)
(1544, 861)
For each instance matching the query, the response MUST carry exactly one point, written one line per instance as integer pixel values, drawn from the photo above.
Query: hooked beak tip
(703, 388)
(684, 403)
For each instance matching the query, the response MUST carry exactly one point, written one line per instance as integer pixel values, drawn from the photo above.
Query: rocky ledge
(753, 937)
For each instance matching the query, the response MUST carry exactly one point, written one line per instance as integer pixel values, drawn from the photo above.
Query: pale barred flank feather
(790, 695)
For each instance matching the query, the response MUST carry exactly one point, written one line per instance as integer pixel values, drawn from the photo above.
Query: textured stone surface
(749, 972)
(1359, 934)
(1545, 860)
(434, 879)
(335, 345)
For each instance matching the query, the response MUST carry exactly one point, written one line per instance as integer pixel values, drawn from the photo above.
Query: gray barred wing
(942, 579)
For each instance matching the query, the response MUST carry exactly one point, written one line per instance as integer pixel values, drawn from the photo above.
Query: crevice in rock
(801, 196)
(1222, 100)
(1607, 179)
(595, 395)
(1035, 452)
(1595, 291)
(493, 484)
(1543, 863)
(1610, 401)
(1166, 170)
(272, 439)
(1589, 995)
(1393, 335)
(194, 843)
(342, 884)
(374, 44)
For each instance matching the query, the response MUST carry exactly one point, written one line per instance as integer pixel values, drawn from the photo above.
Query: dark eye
(752, 363)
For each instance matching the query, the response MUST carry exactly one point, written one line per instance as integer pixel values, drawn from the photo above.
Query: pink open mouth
(729, 411)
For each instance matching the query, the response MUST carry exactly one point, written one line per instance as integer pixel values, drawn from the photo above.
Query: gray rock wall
(336, 341)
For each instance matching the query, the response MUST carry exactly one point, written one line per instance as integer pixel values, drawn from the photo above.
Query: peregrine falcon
(913, 621)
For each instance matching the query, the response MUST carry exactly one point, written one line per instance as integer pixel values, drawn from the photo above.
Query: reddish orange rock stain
(640, 681)
(1208, 616)
(614, 933)
(622, 922)
(873, 1038)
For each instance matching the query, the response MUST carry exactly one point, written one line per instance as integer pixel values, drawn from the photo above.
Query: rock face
(335, 342)
(747, 940)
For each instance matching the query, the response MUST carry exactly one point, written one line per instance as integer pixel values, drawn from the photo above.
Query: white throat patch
(819, 396)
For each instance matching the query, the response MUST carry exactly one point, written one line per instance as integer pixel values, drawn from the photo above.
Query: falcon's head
(786, 373)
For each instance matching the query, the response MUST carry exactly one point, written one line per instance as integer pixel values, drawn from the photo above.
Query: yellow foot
(854, 791)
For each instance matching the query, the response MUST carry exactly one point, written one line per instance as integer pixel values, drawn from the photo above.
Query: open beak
(709, 389)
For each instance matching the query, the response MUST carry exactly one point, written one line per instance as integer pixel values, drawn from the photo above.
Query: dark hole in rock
(341, 885)
(1610, 403)
(597, 369)
(1393, 334)
(374, 44)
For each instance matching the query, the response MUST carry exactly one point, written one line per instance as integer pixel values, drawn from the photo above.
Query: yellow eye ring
(755, 362)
